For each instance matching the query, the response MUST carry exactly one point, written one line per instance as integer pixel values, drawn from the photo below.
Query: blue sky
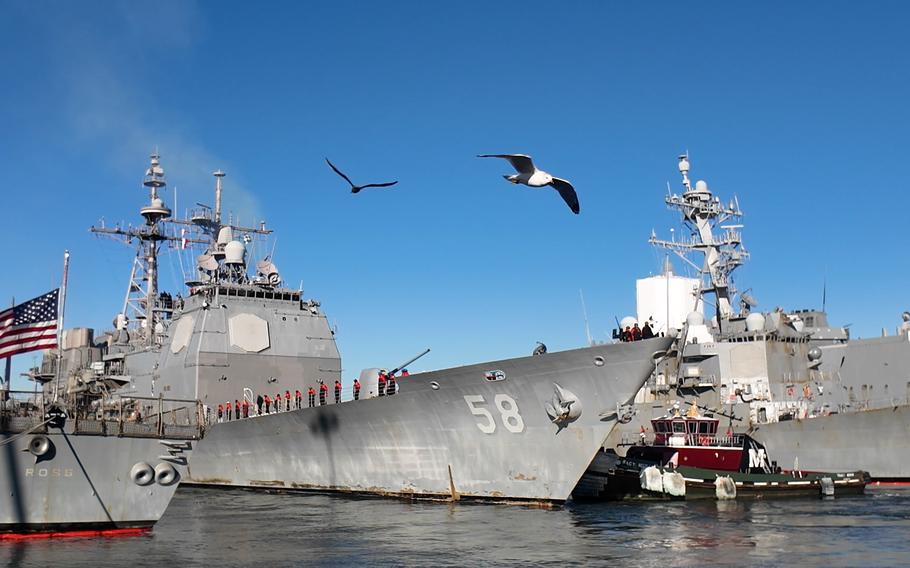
(799, 110)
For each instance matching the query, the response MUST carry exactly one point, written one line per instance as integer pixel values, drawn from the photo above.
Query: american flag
(29, 326)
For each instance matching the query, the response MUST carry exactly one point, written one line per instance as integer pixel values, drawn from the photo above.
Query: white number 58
(508, 413)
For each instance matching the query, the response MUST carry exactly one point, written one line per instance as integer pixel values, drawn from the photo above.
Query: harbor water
(222, 528)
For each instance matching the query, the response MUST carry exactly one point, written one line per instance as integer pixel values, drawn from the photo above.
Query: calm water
(237, 528)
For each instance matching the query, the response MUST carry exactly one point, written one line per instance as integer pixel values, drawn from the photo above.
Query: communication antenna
(584, 311)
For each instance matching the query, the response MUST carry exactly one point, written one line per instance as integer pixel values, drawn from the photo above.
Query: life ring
(142, 474)
(40, 445)
(165, 474)
(704, 441)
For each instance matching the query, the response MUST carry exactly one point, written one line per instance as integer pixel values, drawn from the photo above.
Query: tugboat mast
(702, 212)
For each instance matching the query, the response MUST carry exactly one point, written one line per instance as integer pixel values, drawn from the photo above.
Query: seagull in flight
(530, 176)
(357, 188)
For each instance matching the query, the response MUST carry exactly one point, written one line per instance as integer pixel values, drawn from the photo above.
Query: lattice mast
(702, 213)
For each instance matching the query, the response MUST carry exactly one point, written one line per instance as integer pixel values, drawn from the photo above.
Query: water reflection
(241, 528)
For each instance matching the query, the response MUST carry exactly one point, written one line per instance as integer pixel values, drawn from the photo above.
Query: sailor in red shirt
(278, 402)
(337, 391)
(287, 400)
(356, 389)
(227, 409)
(298, 399)
(246, 408)
(236, 409)
(268, 404)
(381, 383)
(323, 392)
(220, 413)
(311, 392)
(405, 373)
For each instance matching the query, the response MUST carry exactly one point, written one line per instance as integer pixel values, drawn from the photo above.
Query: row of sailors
(386, 386)
(636, 333)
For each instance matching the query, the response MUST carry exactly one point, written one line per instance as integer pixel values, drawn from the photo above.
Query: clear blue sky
(799, 109)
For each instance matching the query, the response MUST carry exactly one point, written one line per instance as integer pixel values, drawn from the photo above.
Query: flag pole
(7, 381)
(60, 313)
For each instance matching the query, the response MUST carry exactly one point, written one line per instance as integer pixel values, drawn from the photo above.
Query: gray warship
(78, 457)
(817, 399)
(519, 429)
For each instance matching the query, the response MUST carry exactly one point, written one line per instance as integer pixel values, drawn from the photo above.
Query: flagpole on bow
(60, 312)
(7, 381)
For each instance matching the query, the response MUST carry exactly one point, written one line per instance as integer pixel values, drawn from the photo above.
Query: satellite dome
(627, 321)
(225, 235)
(701, 185)
(695, 318)
(234, 253)
(815, 354)
(755, 322)
(157, 202)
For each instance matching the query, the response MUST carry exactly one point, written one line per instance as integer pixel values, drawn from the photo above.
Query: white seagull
(532, 177)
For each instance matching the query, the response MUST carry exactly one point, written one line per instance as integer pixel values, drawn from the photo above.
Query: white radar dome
(627, 321)
(695, 318)
(701, 185)
(225, 235)
(755, 322)
(234, 253)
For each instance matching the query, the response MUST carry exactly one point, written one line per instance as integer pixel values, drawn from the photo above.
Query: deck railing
(104, 415)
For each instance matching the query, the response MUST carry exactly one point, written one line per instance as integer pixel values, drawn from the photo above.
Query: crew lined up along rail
(387, 385)
(635, 333)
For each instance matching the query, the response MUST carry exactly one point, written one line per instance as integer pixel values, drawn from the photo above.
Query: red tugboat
(687, 459)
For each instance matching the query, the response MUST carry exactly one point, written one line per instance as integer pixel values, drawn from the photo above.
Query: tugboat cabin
(691, 440)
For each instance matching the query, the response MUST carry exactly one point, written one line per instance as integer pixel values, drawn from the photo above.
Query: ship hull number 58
(508, 413)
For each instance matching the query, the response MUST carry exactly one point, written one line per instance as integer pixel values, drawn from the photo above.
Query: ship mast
(143, 308)
(722, 253)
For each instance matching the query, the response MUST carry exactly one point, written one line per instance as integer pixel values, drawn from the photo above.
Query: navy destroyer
(78, 457)
(249, 347)
(819, 400)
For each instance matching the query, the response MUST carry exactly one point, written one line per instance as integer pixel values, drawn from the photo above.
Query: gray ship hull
(83, 482)
(447, 434)
(877, 441)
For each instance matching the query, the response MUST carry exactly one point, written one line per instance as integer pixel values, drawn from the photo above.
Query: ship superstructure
(819, 400)
(251, 350)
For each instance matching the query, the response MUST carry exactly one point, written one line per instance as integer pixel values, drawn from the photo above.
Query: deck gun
(406, 363)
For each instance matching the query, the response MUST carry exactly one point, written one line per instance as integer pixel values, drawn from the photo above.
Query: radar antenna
(702, 212)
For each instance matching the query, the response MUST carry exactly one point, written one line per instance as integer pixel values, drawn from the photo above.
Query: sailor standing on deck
(268, 404)
(298, 399)
(311, 392)
(381, 383)
(246, 408)
(391, 388)
(356, 389)
(287, 400)
(220, 413)
(259, 404)
(227, 409)
(236, 409)
(337, 391)
(278, 402)
(323, 392)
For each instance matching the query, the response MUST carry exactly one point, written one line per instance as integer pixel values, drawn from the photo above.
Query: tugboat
(688, 459)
